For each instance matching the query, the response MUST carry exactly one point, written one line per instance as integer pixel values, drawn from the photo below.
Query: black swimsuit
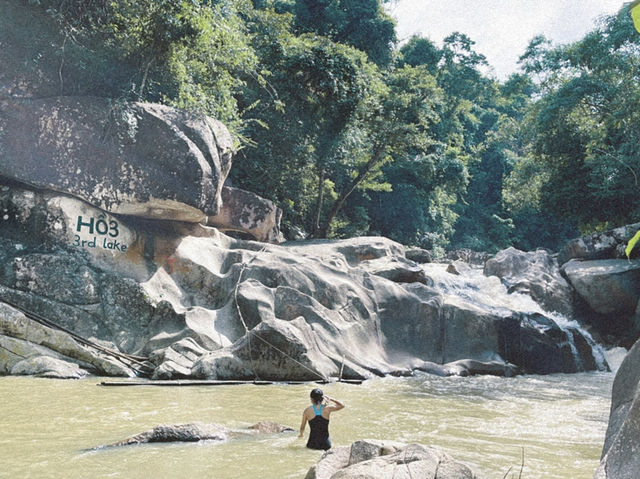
(319, 435)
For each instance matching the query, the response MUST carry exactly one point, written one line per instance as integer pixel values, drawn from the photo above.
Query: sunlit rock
(191, 302)
(388, 460)
(200, 431)
(190, 432)
(48, 367)
(24, 342)
(535, 273)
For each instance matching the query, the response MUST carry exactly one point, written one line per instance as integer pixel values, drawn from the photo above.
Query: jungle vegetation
(352, 132)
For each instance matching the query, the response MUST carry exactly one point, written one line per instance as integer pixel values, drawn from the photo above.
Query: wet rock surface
(535, 273)
(609, 290)
(199, 431)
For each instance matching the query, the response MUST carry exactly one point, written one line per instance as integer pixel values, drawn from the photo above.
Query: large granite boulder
(535, 273)
(139, 159)
(620, 457)
(248, 213)
(611, 290)
(388, 460)
(538, 345)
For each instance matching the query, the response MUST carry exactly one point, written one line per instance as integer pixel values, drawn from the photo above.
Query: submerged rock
(470, 367)
(388, 460)
(198, 431)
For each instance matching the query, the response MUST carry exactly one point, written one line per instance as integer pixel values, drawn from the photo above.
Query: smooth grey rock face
(609, 286)
(621, 451)
(611, 290)
(139, 159)
(48, 367)
(199, 304)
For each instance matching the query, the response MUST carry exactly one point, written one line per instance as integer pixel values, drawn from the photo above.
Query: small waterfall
(614, 357)
(597, 350)
(489, 293)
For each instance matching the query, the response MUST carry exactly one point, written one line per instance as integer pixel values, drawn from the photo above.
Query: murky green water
(559, 421)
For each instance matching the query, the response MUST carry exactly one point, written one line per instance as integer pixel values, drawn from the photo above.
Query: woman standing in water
(317, 415)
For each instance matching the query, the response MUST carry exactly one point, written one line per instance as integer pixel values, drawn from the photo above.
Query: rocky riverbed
(182, 300)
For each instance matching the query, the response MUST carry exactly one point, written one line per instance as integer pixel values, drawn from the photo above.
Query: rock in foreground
(621, 451)
(373, 459)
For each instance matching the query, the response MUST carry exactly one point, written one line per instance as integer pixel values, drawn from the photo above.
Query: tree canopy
(351, 132)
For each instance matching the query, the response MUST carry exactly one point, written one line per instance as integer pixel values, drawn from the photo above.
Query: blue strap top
(317, 411)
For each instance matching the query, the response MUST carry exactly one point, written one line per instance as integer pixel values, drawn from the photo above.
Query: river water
(50, 426)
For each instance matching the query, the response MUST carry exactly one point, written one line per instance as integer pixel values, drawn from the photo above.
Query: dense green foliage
(351, 133)
(585, 128)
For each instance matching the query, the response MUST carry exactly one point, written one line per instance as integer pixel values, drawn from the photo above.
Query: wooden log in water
(207, 382)
(182, 382)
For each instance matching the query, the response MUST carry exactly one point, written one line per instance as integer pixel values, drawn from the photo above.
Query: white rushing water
(490, 293)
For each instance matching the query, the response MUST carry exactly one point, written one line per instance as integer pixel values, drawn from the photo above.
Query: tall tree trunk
(143, 83)
(316, 223)
(373, 161)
